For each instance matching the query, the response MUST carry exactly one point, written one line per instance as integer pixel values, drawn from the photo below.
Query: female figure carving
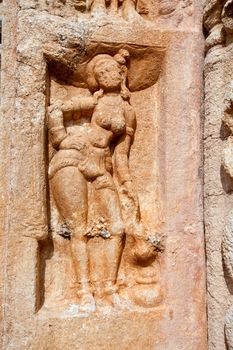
(87, 155)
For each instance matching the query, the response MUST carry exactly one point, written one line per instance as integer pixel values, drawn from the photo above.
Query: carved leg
(114, 7)
(113, 258)
(79, 253)
(110, 208)
(69, 191)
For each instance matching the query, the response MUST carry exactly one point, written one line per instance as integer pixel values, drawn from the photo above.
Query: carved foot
(86, 301)
(114, 299)
(107, 296)
(57, 303)
(104, 302)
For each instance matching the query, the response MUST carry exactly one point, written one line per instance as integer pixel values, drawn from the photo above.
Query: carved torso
(109, 114)
(88, 146)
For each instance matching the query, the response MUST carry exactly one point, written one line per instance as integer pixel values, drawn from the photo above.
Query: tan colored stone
(218, 171)
(141, 65)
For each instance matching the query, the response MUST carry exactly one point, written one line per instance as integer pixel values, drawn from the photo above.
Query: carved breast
(109, 115)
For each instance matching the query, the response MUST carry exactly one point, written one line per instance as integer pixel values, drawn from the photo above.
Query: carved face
(109, 75)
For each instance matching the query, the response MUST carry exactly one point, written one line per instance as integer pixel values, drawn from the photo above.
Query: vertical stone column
(23, 168)
(7, 110)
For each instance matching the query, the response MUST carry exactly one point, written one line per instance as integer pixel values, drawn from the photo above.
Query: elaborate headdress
(121, 58)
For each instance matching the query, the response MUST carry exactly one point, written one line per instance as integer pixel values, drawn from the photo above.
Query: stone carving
(95, 213)
(166, 7)
(179, 7)
(172, 11)
(218, 21)
(61, 7)
(128, 8)
(56, 226)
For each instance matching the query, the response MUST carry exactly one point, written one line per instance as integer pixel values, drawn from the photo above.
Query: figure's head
(108, 73)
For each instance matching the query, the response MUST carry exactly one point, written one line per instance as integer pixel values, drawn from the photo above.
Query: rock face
(102, 239)
(218, 170)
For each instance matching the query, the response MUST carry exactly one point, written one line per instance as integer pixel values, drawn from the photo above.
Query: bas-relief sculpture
(128, 9)
(163, 11)
(104, 255)
(99, 252)
(105, 120)
(92, 189)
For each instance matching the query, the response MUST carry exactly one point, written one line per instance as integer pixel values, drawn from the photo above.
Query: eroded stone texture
(218, 170)
(103, 237)
(94, 204)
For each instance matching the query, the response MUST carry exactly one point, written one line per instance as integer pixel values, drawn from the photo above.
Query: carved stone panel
(111, 255)
(105, 235)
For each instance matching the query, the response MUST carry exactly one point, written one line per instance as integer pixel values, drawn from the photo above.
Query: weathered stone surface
(218, 171)
(148, 57)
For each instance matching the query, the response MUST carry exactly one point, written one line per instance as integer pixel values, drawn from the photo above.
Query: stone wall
(102, 234)
(8, 66)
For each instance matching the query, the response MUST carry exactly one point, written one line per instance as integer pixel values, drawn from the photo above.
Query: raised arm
(79, 104)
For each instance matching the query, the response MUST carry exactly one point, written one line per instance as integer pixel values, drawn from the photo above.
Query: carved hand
(55, 114)
(67, 106)
(56, 105)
